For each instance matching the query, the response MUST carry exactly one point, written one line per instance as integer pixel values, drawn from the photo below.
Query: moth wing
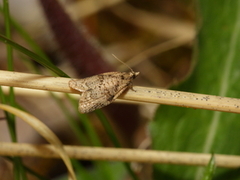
(100, 90)
(92, 100)
(120, 92)
(78, 85)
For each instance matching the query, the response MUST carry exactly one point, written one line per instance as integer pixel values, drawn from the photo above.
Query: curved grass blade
(34, 56)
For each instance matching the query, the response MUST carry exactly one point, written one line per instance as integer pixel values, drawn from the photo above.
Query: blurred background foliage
(154, 37)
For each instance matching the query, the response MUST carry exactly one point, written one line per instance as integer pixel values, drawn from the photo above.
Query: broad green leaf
(217, 72)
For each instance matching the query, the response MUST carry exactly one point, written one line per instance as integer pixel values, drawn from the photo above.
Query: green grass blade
(102, 167)
(35, 47)
(210, 169)
(18, 170)
(91, 133)
(34, 56)
(9, 117)
(81, 172)
(71, 121)
(104, 170)
(108, 128)
(30, 171)
(113, 138)
(8, 34)
(11, 97)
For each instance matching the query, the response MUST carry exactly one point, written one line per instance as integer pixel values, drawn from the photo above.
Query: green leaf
(217, 72)
(209, 170)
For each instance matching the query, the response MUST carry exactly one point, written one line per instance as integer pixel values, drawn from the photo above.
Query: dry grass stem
(44, 131)
(155, 50)
(113, 154)
(160, 25)
(34, 81)
(89, 7)
(141, 94)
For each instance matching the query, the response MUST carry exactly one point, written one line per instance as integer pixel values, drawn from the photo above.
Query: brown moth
(102, 89)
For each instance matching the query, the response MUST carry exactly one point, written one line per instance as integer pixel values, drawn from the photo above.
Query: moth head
(134, 74)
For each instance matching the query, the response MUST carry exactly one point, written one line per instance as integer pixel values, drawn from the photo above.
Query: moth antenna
(123, 63)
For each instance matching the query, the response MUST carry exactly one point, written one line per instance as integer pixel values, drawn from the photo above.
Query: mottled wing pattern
(100, 90)
(92, 100)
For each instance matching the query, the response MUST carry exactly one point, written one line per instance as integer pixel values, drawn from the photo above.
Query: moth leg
(131, 87)
(77, 85)
(122, 90)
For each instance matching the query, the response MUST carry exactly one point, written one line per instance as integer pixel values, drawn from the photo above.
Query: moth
(102, 89)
